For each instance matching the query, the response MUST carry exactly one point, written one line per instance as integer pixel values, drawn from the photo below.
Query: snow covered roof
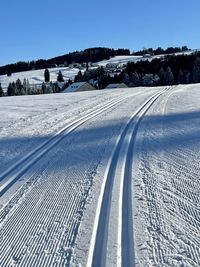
(115, 85)
(74, 87)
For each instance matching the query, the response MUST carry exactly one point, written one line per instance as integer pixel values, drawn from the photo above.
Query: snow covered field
(37, 76)
(102, 178)
(120, 60)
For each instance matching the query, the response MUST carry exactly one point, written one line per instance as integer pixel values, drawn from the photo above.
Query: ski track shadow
(85, 141)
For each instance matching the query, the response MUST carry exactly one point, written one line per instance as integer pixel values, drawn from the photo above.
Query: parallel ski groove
(8, 178)
(98, 247)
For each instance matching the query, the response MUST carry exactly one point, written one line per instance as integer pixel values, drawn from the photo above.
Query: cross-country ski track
(117, 175)
(105, 178)
(16, 171)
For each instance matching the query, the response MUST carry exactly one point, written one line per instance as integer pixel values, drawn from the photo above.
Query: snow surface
(120, 60)
(37, 76)
(101, 178)
(125, 59)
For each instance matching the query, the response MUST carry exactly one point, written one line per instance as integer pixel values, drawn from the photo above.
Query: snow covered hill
(106, 178)
(37, 76)
(117, 60)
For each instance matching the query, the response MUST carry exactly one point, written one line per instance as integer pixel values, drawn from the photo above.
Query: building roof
(115, 85)
(74, 87)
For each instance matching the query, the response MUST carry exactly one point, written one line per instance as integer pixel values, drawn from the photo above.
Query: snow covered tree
(60, 77)
(46, 75)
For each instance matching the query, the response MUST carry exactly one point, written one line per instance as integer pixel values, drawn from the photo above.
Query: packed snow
(101, 178)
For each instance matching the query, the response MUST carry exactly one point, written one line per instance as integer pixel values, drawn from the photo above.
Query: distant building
(116, 85)
(79, 87)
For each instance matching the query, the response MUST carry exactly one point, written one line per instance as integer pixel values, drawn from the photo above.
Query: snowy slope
(125, 59)
(106, 178)
(120, 60)
(37, 76)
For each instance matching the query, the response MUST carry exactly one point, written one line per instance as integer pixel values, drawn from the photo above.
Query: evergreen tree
(11, 89)
(87, 76)
(181, 78)
(68, 83)
(100, 77)
(56, 88)
(126, 78)
(169, 77)
(87, 66)
(43, 88)
(60, 77)
(134, 77)
(196, 71)
(19, 88)
(188, 78)
(161, 75)
(9, 73)
(1, 91)
(79, 77)
(26, 87)
(46, 75)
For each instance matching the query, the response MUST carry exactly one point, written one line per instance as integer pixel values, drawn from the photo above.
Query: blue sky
(46, 28)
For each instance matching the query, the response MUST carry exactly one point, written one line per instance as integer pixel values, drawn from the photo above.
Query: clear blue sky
(33, 29)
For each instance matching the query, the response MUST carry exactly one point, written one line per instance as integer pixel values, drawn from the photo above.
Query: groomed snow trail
(112, 239)
(42, 229)
(10, 176)
(166, 188)
(106, 178)
(50, 185)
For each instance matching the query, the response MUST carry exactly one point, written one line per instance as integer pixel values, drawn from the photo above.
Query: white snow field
(37, 76)
(101, 178)
(120, 60)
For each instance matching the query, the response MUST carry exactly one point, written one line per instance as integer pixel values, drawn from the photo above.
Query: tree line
(181, 69)
(87, 55)
(161, 51)
(25, 88)
(170, 70)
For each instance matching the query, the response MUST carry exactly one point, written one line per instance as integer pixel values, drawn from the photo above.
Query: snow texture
(101, 178)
